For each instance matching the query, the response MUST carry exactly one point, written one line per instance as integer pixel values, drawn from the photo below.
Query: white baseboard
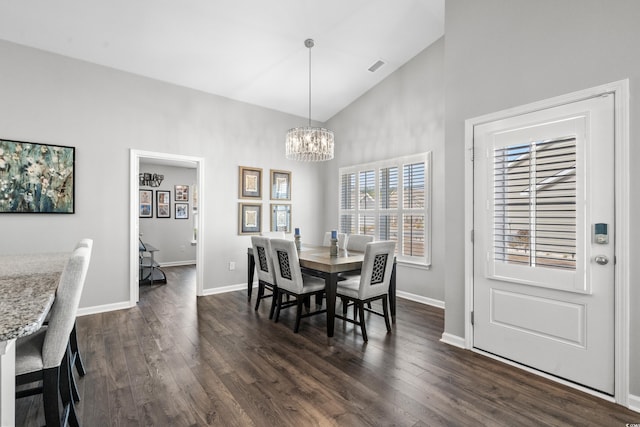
(224, 289)
(177, 263)
(420, 299)
(453, 340)
(103, 308)
(634, 403)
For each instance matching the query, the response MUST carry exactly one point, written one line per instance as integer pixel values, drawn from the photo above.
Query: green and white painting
(36, 178)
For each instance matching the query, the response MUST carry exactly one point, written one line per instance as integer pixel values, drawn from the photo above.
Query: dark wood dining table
(317, 261)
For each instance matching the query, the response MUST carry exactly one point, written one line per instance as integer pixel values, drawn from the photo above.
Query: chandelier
(307, 143)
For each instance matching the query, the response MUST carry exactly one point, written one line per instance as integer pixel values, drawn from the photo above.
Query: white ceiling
(248, 50)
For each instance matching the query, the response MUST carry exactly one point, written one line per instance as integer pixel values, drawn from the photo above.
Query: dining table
(28, 286)
(316, 260)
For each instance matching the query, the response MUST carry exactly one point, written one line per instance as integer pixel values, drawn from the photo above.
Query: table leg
(251, 264)
(331, 285)
(392, 294)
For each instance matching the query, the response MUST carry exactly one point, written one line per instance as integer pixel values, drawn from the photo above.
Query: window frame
(399, 211)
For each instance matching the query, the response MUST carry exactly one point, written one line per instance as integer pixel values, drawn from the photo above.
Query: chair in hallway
(291, 282)
(371, 285)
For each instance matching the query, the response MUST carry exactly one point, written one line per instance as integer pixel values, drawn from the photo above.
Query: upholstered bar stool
(46, 356)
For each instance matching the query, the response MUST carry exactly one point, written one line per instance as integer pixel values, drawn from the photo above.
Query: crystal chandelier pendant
(309, 144)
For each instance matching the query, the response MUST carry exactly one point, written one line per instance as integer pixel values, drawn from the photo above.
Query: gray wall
(171, 236)
(104, 113)
(505, 53)
(402, 115)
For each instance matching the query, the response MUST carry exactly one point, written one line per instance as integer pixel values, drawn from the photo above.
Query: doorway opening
(173, 160)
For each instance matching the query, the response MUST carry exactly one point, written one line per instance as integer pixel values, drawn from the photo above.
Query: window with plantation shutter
(535, 204)
(389, 200)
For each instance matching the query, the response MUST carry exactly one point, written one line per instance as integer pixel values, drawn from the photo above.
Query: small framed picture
(250, 180)
(280, 185)
(182, 210)
(146, 203)
(281, 218)
(249, 218)
(182, 193)
(163, 204)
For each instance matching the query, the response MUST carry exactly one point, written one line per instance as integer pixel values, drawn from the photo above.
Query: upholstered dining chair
(372, 284)
(264, 267)
(342, 238)
(291, 282)
(358, 242)
(45, 355)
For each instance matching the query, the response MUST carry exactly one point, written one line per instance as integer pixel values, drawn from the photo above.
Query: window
(389, 200)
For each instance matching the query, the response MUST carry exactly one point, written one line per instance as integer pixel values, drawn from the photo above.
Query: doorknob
(601, 259)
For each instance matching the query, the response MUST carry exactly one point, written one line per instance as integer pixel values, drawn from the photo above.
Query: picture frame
(280, 217)
(250, 183)
(280, 183)
(249, 218)
(39, 178)
(146, 204)
(163, 204)
(182, 210)
(181, 193)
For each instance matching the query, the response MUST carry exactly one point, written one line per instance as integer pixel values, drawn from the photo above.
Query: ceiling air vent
(379, 63)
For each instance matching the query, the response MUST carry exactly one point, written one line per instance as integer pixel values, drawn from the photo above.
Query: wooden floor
(178, 360)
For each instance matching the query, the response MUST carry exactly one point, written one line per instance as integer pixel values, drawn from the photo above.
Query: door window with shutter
(391, 201)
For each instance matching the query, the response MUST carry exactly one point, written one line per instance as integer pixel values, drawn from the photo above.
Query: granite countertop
(28, 285)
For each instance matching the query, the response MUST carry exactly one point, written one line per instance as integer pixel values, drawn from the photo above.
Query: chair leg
(77, 360)
(66, 387)
(50, 385)
(385, 311)
(279, 292)
(362, 326)
(345, 306)
(298, 314)
(260, 294)
(307, 303)
(274, 302)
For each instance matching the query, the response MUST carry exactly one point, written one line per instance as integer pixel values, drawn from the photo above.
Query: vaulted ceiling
(248, 50)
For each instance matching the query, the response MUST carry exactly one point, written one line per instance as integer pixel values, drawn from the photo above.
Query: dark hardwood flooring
(178, 360)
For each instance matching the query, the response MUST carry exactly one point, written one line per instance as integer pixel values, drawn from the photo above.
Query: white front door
(544, 240)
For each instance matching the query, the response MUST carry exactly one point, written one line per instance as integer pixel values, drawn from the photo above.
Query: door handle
(601, 259)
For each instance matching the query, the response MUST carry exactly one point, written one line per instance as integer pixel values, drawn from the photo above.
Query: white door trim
(620, 89)
(134, 170)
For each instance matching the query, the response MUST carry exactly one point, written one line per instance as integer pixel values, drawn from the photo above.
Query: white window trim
(398, 162)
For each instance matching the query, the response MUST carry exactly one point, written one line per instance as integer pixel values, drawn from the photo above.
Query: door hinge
(472, 319)
(471, 153)
(471, 236)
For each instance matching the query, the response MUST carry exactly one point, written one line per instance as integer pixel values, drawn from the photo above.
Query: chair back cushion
(287, 265)
(62, 315)
(262, 255)
(342, 239)
(376, 269)
(358, 242)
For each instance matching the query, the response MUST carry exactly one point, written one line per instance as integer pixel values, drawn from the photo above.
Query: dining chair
(358, 242)
(45, 356)
(264, 267)
(372, 284)
(342, 237)
(291, 282)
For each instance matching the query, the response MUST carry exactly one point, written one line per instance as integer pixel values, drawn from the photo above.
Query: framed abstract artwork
(163, 204)
(280, 185)
(249, 218)
(146, 203)
(250, 180)
(38, 178)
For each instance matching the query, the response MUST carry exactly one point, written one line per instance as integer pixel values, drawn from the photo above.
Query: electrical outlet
(232, 265)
